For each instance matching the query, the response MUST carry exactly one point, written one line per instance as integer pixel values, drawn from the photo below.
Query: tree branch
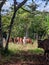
(26, 10)
(21, 4)
(2, 3)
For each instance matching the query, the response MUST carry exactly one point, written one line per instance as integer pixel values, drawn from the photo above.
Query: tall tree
(1, 36)
(16, 7)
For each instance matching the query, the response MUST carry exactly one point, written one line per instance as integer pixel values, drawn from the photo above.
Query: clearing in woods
(23, 54)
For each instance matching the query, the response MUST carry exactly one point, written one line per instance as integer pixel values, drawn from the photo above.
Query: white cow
(24, 40)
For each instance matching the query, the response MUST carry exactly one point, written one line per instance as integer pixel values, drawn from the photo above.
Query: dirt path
(26, 59)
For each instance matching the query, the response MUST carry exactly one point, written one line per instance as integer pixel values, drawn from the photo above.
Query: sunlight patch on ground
(31, 48)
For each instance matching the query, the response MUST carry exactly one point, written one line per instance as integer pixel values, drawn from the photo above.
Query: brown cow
(28, 40)
(20, 40)
(45, 45)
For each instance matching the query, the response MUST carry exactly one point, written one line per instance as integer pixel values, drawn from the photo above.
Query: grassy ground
(15, 49)
(31, 48)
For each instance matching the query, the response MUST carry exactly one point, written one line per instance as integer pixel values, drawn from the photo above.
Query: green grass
(30, 48)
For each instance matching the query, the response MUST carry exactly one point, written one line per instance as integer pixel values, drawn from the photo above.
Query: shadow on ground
(23, 58)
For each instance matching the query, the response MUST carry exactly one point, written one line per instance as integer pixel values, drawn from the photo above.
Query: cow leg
(46, 54)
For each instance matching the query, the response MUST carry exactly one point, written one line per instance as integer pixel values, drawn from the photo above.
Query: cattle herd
(41, 43)
(21, 40)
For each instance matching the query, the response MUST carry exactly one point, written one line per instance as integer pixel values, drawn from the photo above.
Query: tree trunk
(27, 33)
(1, 37)
(12, 21)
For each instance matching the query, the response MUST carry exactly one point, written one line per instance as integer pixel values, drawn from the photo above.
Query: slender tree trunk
(1, 37)
(26, 33)
(12, 21)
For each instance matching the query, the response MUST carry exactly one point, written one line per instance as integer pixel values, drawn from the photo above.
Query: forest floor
(28, 54)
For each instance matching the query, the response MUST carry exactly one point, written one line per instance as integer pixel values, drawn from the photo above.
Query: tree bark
(1, 37)
(11, 24)
(2, 3)
(27, 33)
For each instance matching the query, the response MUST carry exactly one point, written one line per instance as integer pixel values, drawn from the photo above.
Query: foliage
(25, 21)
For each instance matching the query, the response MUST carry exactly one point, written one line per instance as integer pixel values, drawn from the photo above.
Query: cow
(20, 40)
(27, 40)
(24, 40)
(45, 45)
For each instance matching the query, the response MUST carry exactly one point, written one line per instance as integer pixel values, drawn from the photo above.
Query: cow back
(43, 44)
